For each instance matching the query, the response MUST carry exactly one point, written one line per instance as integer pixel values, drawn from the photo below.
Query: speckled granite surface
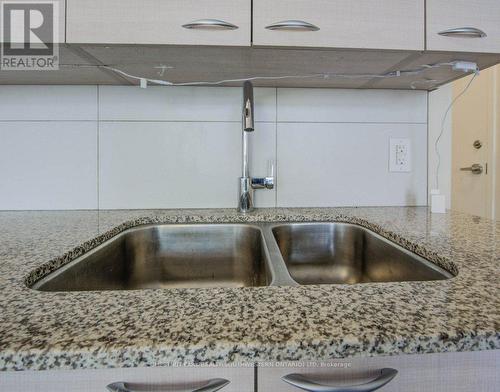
(42, 330)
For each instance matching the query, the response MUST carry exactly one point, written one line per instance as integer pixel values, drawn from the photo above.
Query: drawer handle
(464, 32)
(210, 24)
(211, 386)
(298, 25)
(299, 381)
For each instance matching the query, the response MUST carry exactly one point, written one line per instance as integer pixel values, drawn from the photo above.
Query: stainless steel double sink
(240, 255)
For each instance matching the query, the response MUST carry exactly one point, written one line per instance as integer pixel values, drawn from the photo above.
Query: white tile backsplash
(165, 164)
(48, 165)
(48, 103)
(347, 165)
(172, 147)
(341, 105)
(262, 149)
(122, 103)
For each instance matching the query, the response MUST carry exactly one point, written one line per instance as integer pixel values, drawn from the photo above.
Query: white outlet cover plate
(399, 155)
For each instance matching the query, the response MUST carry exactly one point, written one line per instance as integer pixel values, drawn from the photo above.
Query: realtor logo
(29, 35)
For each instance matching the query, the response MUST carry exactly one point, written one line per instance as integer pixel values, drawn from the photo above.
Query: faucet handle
(271, 165)
(265, 182)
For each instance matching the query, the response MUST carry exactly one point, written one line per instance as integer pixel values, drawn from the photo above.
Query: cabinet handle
(464, 32)
(293, 25)
(210, 24)
(211, 386)
(299, 381)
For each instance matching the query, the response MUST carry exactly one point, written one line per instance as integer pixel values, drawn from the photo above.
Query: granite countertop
(49, 330)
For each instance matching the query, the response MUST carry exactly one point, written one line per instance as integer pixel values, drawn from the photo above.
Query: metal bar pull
(299, 381)
(464, 32)
(298, 25)
(210, 24)
(476, 168)
(211, 386)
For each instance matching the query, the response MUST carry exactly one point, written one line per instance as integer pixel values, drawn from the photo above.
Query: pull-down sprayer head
(248, 124)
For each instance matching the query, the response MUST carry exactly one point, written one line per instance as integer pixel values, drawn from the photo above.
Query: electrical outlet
(399, 155)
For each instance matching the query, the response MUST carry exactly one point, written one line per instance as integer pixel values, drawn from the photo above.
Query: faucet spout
(248, 184)
(248, 124)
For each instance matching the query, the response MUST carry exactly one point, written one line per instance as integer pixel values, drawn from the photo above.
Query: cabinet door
(179, 22)
(165, 379)
(458, 25)
(457, 372)
(381, 24)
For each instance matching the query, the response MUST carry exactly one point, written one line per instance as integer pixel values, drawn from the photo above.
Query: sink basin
(317, 253)
(168, 256)
(240, 255)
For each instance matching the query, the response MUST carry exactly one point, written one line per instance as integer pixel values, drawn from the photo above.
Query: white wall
(439, 100)
(85, 147)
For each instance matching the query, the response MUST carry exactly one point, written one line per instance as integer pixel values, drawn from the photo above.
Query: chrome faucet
(248, 184)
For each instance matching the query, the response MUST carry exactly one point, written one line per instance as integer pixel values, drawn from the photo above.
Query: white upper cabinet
(179, 22)
(463, 25)
(364, 24)
(449, 25)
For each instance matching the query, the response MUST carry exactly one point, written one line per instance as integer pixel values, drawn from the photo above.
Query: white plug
(465, 66)
(438, 202)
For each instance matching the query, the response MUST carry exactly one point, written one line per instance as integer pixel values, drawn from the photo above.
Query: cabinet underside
(345, 68)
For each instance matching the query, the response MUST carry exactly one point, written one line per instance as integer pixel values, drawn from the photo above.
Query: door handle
(299, 381)
(476, 168)
(211, 386)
